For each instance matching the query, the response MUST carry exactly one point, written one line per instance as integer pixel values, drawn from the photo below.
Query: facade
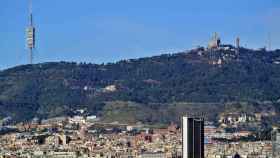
(152, 155)
(276, 142)
(193, 137)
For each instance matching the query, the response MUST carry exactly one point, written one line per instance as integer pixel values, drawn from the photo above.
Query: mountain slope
(197, 76)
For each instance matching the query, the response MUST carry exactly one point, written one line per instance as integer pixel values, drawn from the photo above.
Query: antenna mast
(269, 41)
(30, 13)
(30, 32)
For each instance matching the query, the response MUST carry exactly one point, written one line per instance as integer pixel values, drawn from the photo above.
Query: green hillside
(170, 84)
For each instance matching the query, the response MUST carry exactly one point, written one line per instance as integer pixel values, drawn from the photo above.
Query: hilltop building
(214, 42)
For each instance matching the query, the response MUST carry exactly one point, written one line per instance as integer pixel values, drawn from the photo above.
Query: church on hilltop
(215, 42)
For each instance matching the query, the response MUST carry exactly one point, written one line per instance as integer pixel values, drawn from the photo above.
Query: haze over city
(108, 31)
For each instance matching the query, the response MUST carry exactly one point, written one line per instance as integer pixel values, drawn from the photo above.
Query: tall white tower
(30, 33)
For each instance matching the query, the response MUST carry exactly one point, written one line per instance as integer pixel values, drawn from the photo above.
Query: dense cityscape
(234, 134)
(80, 136)
(215, 101)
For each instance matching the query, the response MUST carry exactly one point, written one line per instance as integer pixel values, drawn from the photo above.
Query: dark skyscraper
(193, 137)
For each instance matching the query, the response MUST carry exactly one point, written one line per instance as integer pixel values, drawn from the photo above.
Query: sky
(101, 31)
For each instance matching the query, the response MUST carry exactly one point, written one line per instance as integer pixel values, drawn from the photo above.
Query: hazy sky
(109, 30)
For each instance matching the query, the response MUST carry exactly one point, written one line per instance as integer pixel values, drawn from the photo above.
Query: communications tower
(269, 41)
(30, 34)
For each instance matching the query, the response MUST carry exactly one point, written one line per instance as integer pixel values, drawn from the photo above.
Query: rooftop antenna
(30, 13)
(30, 32)
(269, 41)
(237, 43)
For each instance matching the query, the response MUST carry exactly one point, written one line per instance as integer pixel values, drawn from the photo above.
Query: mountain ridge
(201, 75)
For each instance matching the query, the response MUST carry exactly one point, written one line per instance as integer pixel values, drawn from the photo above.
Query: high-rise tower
(30, 33)
(193, 137)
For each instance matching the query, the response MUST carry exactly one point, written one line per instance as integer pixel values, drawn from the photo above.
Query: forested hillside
(190, 80)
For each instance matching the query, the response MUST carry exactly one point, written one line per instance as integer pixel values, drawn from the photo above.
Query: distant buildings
(193, 137)
(98, 139)
(236, 118)
(214, 42)
(276, 142)
(152, 155)
(110, 88)
(219, 53)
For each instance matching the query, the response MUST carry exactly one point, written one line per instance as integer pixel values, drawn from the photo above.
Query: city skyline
(97, 32)
(140, 79)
